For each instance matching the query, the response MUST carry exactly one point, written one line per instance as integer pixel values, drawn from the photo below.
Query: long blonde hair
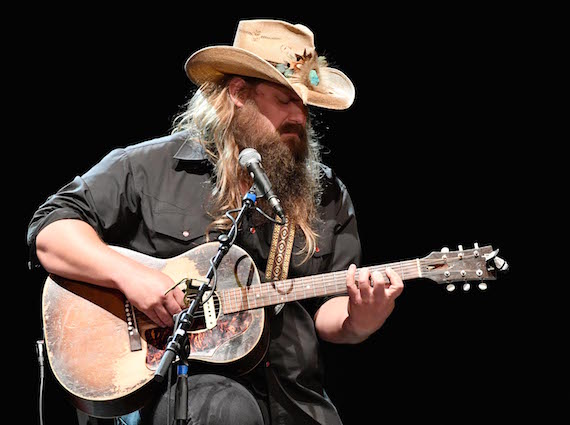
(207, 118)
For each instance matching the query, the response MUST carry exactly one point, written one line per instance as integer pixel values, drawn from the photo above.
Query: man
(168, 195)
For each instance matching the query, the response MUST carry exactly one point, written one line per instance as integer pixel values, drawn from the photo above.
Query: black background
(439, 149)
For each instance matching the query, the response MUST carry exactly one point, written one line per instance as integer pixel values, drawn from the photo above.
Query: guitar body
(104, 353)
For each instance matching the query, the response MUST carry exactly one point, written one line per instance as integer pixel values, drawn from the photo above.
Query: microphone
(250, 159)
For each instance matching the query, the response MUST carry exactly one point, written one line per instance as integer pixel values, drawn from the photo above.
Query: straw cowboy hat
(279, 52)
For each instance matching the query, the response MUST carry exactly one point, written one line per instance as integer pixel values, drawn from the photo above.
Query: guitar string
(238, 298)
(241, 296)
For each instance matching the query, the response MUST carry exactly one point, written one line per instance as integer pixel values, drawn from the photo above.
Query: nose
(297, 113)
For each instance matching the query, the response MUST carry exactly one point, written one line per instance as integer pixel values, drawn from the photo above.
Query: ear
(237, 91)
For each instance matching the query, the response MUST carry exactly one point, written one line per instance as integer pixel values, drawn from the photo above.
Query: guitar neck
(333, 283)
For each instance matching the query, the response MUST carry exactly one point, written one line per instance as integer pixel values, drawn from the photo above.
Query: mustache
(290, 127)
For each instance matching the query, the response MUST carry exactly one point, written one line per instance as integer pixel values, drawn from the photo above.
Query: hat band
(306, 67)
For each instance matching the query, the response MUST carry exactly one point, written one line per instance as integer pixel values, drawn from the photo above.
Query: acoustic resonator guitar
(104, 352)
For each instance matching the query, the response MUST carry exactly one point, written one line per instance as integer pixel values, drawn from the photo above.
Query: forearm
(332, 322)
(72, 249)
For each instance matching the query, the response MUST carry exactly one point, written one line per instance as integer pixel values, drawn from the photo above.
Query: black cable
(40, 352)
(259, 210)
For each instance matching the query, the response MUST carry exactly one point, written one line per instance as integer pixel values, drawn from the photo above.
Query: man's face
(273, 120)
(285, 112)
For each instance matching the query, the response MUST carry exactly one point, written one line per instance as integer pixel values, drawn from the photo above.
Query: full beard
(284, 159)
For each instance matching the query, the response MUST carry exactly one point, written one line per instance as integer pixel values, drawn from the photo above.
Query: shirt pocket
(318, 263)
(175, 231)
(179, 226)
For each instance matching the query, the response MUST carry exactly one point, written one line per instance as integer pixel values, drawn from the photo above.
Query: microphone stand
(178, 343)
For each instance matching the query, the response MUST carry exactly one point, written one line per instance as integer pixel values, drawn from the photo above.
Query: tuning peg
(450, 287)
(460, 254)
(501, 264)
(444, 250)
(466, 287)
(482, 286)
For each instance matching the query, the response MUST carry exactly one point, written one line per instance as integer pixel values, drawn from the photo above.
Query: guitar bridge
(132, 327)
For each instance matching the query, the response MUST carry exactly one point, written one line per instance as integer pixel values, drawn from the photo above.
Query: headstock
(478, 265)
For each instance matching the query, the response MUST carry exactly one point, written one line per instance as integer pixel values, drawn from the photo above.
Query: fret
(281, 294)
(336, 286)
(272, 293)
(238, 298)
(332, 283)
(275, 293)
(255, 294)
(310, 285)
(265, 296)
(247, 291)
(240, 295)
(268, 292)
(294, 289)
(235, 301)
(224, 303)
(230, 302)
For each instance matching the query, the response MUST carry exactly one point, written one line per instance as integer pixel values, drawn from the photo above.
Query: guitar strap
(280, 254)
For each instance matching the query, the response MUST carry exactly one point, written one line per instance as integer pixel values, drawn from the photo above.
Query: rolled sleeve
(101, 198)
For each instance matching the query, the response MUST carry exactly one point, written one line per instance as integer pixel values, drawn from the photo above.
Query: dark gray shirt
(152, 198)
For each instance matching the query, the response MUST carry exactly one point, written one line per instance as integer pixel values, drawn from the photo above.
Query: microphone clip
(251, 198)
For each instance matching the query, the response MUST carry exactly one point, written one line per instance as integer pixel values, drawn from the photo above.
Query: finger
(377, 279)
(364, 284)
(164, 317)
(379, 282)
(155, 319)
(178, 295)
(396, 283)
(353, 292)
(172, 305)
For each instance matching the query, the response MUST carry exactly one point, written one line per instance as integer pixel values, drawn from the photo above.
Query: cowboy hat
(279, 52)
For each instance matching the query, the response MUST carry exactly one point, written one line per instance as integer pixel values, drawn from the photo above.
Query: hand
(146, 291)
(371, 298)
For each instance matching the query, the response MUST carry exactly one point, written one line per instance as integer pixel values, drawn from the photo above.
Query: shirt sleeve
(346, 247)
(103, 197)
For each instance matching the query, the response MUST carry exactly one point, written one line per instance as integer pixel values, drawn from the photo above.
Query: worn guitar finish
(104, 352)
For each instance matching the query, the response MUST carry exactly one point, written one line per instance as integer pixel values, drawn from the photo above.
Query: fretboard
(333, 283)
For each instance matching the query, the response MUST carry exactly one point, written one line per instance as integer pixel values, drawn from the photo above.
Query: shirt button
(185, 233)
